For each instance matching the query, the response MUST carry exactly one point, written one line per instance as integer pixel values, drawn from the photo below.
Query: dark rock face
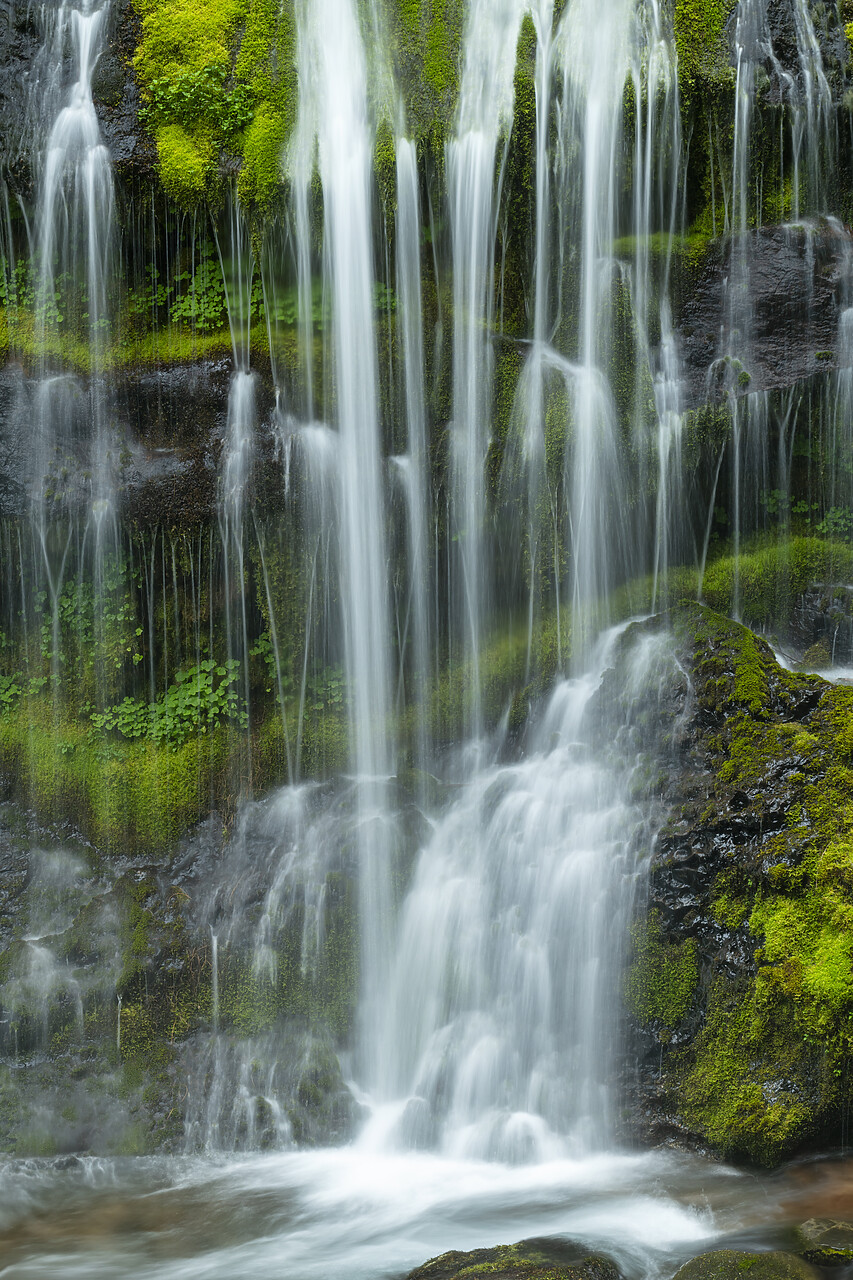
(168, 428)
(829, 32)
(798, 277)
(174, 421)
(19, 46)
(117, 99)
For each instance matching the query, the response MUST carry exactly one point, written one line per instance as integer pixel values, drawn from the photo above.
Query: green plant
(185, 95)
(201, 698)
(202, 302)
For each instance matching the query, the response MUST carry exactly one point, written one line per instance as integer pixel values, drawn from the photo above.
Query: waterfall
(334, 111)
(72, 254)
(324, 515)
(500, 1019)
(485, 106)
(415, 464)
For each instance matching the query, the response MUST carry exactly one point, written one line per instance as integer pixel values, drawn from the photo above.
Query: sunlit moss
(186, 163)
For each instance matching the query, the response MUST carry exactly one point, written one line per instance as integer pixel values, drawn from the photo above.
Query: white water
(484, 116)
(333, 115)
(488, 1045)
(414, 466)
(73, 228)
(501, 1016)
(367, 1216)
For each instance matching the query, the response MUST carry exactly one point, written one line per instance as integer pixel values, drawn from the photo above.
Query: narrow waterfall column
(595, 52)
(485, 114)
(416, 464)
(73, 249)
(333, 112)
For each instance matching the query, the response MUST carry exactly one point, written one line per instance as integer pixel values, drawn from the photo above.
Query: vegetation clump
(218, 77)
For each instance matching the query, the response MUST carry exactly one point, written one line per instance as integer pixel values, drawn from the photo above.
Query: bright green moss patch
(764, 581)
(125, 795)
(700, 41)
(662, 976)
(183, 36)
(260, 177)
(745, 1089)
(218, 75)
(186, 163)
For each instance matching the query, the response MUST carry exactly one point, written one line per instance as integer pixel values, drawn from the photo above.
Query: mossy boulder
(826, 1242)
(527, 1260)
(732, 1264)
(741, 985)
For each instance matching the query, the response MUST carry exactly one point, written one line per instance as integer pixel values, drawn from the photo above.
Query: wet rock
(117, 99)
(796, 277)
(527, 1260)
(782, 20)
(176, 406)
(169, 487)
(732, 1264)
(826, 1242)
(19, 47)
(744, 760)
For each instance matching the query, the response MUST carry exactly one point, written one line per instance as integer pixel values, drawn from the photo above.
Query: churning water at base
(352, 1213)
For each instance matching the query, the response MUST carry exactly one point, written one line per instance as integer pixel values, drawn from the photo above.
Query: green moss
(218, 74)
(440, 53)
(186, 163)
(700, 42)
(385, 166)
(731, 1264)
(134, 795)
(744, 1088)
(768, 1069)
(260, 177)
(662, 977)
(527, 1260)
(427, 49)
(185, 35)
(770, 577)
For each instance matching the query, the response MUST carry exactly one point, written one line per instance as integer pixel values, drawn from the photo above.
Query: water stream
(463, 851)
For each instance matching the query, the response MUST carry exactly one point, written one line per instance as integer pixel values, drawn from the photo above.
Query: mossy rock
(527, 1260)
(742, 978)
(732, 1264)
(826, 1242)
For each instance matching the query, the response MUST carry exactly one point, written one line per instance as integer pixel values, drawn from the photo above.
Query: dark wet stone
(826, 1242)
(117, 99)
(796, 277)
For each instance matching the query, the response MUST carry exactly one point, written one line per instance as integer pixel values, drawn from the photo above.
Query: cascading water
(501, 1031)
(334, 114)
(480, 433)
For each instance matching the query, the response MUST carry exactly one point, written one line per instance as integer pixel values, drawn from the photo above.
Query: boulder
(732, 1264)
(826, 1242)
(528, 1260)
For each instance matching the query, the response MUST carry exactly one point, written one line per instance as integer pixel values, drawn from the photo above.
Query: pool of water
(360, 1214)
